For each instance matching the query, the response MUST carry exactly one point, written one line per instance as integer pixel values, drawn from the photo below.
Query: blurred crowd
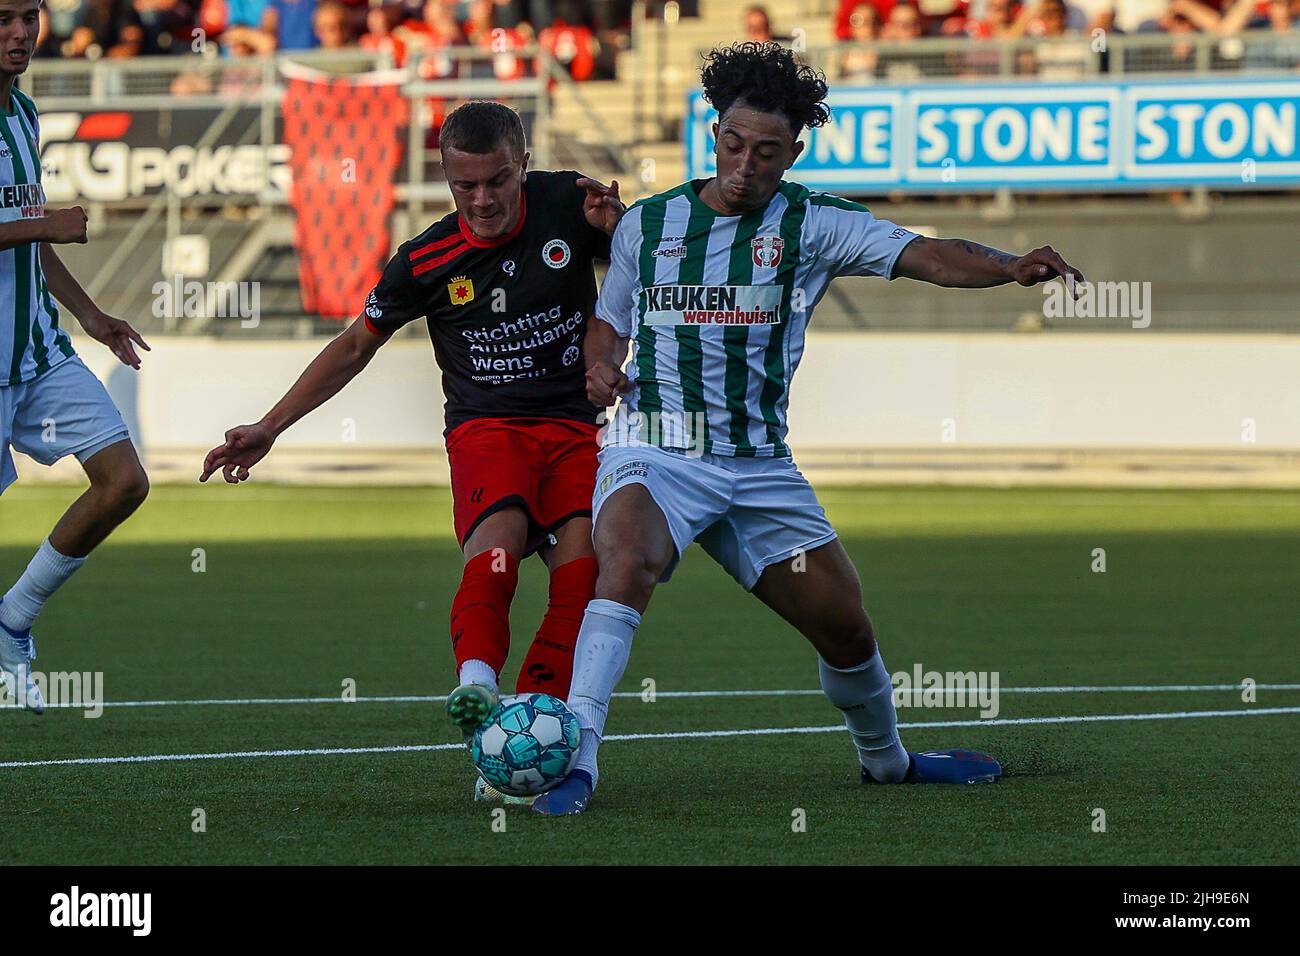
(584, 35)
(866, 20)
(860, 24)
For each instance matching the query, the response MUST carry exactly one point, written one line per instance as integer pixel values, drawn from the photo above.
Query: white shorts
(747, 513)
(66, 411)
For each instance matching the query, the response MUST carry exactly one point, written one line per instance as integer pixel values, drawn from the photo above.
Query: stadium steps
(665, 69)
(129, 291)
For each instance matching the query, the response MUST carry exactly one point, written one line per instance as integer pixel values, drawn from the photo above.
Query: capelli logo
(77, 909)
(676, 252)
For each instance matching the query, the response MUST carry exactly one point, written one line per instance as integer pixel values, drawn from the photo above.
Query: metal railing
(1055, 59)
(242, 98)
(1068, 57)
(209, 82)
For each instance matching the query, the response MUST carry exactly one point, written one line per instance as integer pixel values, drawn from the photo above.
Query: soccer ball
(528, 744)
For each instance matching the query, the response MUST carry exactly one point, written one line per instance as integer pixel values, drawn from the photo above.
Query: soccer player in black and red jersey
(507, 284)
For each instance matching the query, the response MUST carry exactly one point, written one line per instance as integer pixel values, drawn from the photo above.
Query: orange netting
(347, 144)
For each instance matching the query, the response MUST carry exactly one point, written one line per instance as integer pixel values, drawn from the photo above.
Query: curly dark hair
(768, 78)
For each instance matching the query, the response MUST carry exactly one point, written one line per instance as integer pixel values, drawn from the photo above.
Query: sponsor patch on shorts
(624, 472)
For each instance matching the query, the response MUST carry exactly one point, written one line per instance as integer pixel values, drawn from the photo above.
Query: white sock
(599, 659)
(44, 575)
(865, 696)
(479, 672)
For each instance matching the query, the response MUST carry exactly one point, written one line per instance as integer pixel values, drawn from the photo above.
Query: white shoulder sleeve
(852, 241)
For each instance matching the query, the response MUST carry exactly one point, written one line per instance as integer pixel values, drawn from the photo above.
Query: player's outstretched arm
(118, 335)
(604, 351)
(962, 264)
(336, 365)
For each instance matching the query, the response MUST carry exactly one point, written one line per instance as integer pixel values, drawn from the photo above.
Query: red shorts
(547, 466)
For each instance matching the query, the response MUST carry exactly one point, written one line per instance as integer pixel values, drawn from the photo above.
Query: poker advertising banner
(126, 155)
(123, 155)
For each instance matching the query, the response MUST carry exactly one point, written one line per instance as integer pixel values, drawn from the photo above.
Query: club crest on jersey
(461, 290)
(556, 253)
(767, 251)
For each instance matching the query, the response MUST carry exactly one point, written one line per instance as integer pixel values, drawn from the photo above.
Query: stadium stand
(197, 86)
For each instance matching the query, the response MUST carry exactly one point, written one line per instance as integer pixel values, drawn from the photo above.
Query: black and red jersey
(506, 316)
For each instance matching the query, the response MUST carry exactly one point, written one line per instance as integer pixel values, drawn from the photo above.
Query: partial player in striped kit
(51, 405)
(713, 285)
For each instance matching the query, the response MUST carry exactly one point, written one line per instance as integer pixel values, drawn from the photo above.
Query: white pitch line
(633, 695)
(251, 701)
(671, 735)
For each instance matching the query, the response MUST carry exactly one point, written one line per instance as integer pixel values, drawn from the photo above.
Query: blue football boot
(948, 766)
(571, 796)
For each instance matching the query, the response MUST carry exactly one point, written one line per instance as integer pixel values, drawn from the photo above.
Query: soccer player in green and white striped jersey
(51, 405)
(713, 285)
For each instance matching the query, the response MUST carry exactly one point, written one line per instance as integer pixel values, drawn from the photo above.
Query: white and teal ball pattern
(528, 744)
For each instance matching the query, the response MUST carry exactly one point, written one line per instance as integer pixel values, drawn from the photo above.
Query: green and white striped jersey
(31, 342)
(717, 308)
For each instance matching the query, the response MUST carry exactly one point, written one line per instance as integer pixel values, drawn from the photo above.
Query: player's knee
(627, 576)
(128, 491)
(845, 641)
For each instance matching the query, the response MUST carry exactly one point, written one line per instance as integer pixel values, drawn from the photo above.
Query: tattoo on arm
(957, 263)
(995, 256)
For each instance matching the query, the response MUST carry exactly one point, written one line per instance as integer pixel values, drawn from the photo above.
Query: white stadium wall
(1127, 390)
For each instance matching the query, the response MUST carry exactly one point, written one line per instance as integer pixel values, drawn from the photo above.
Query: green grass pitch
(306, 588)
